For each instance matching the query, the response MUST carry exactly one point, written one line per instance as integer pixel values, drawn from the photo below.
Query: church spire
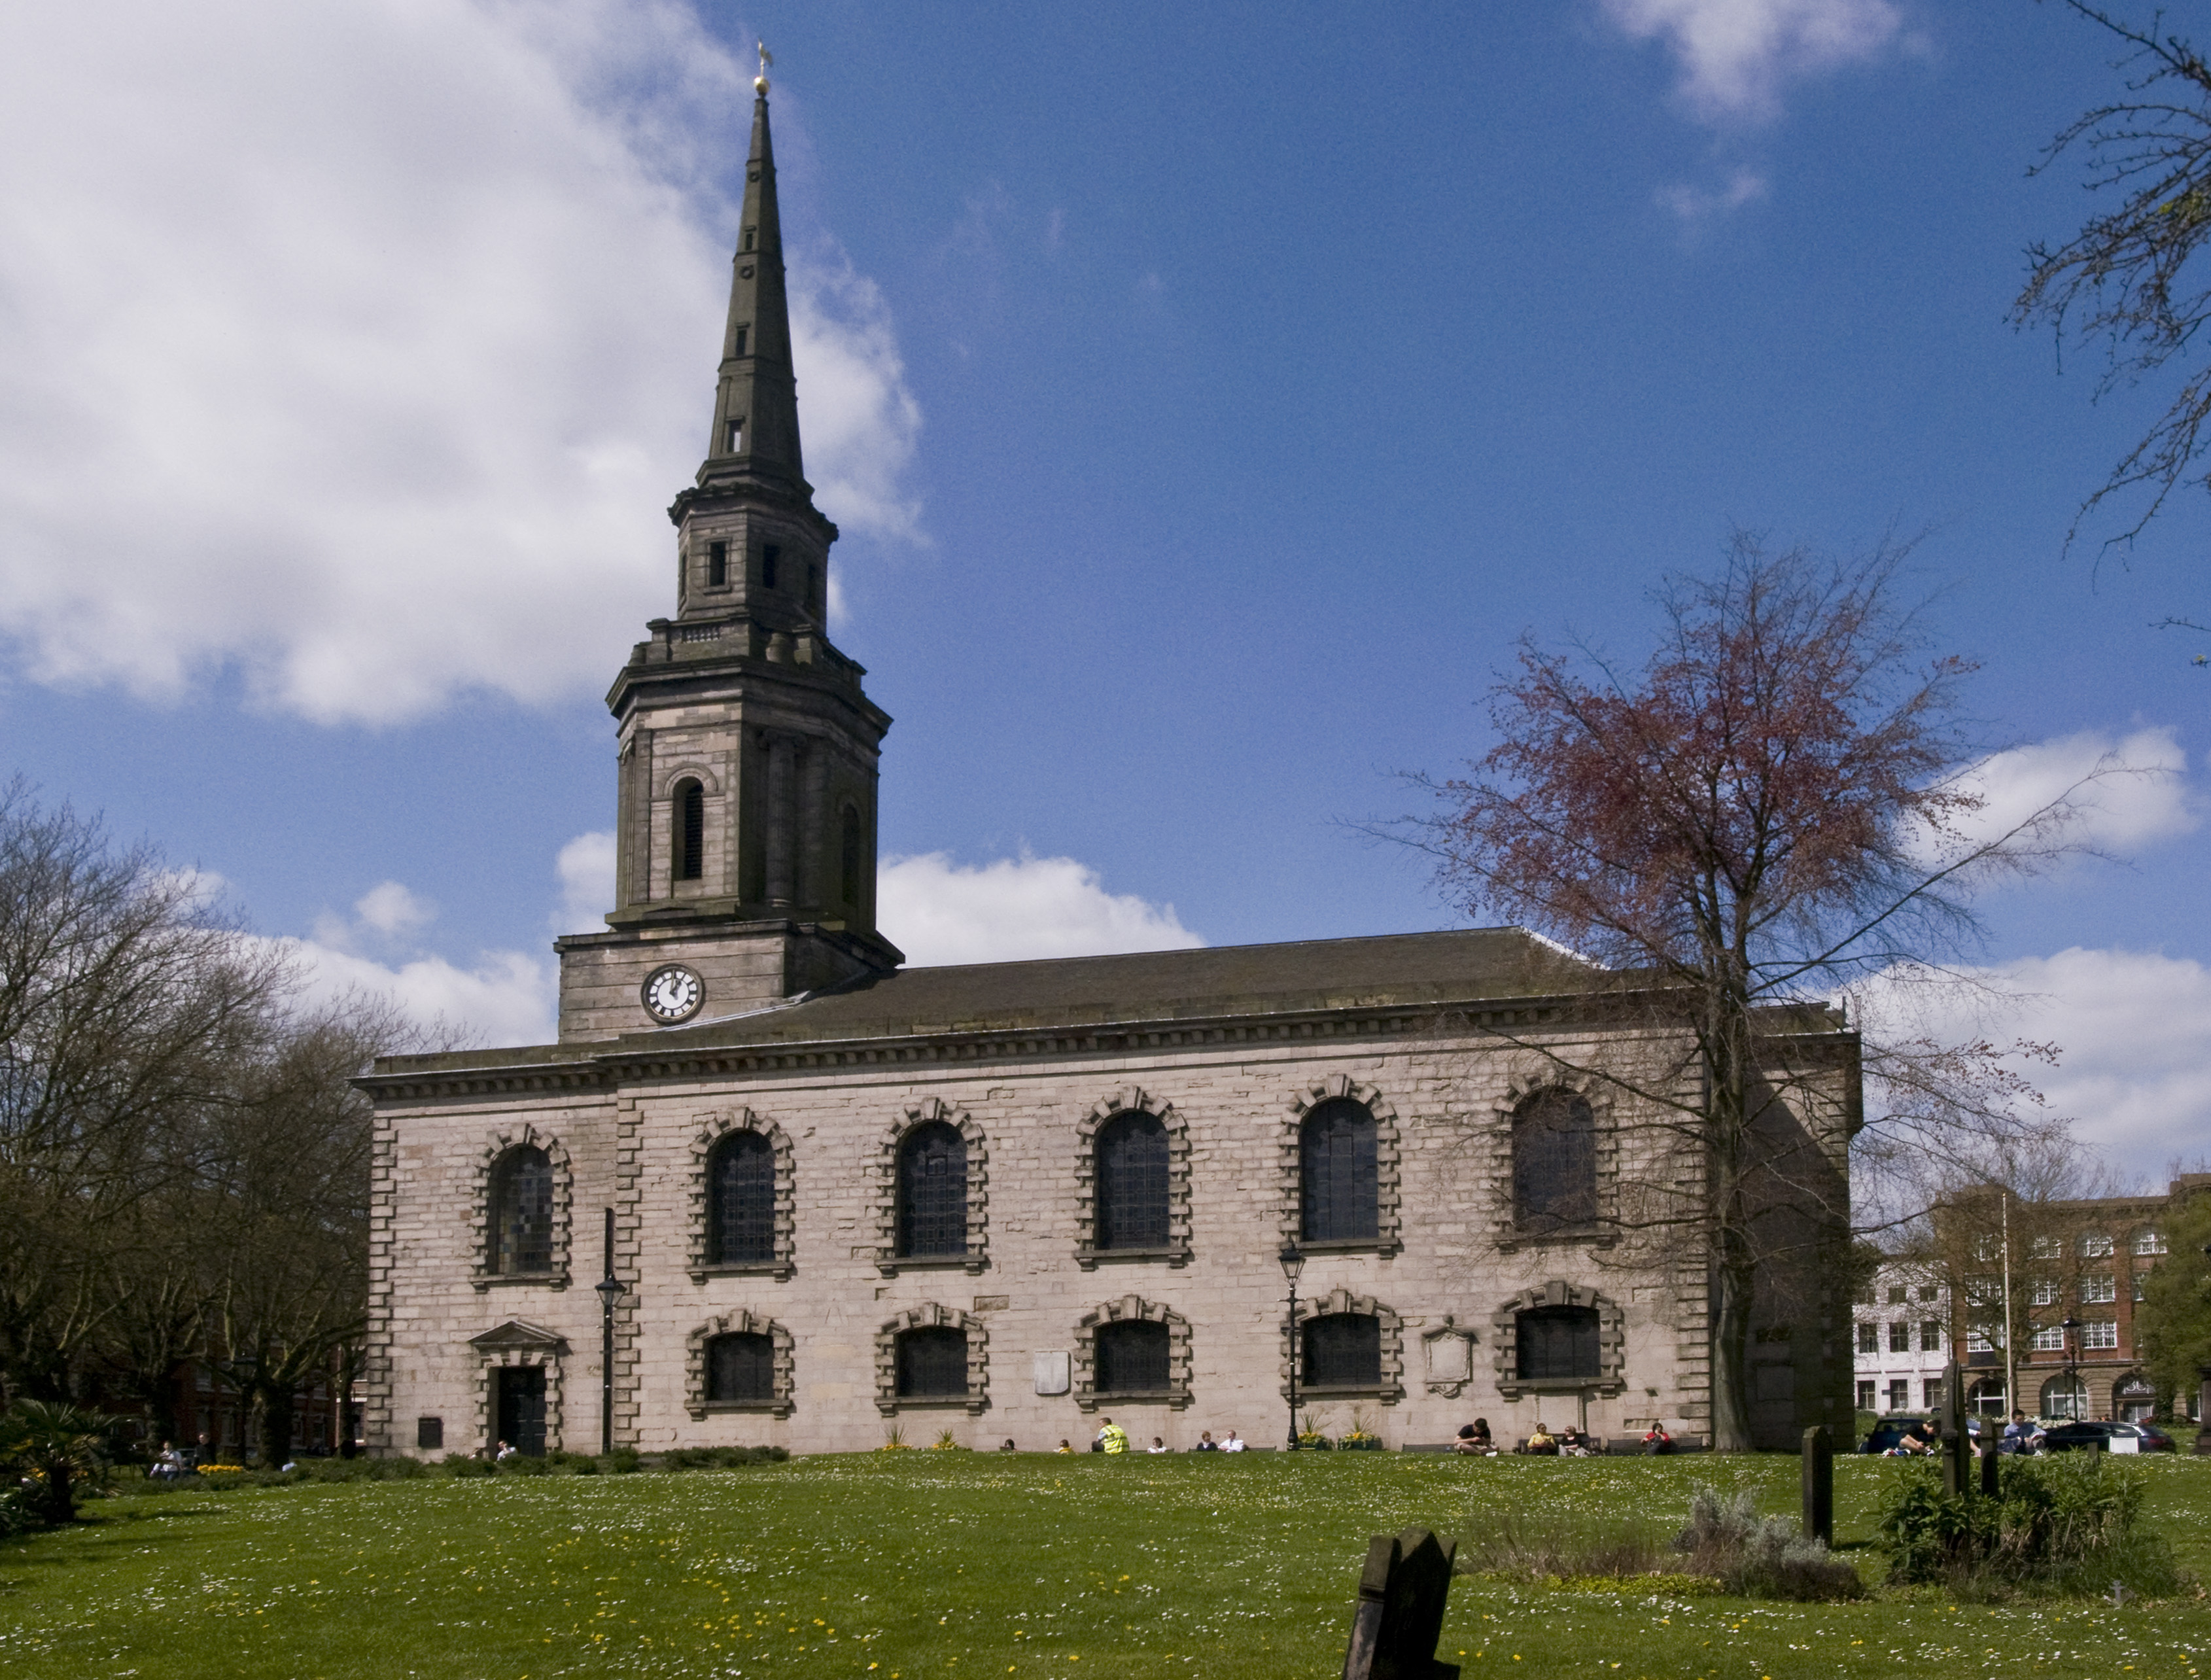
(756, 398)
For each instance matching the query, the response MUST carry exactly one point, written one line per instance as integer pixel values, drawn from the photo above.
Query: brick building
(1003, 1199)
(2076, 1270)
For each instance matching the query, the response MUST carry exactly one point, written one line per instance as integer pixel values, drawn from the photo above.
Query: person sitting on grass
(1542, 1442)
(1158, 1445)
(2018, 1435)
(1573, 1444)
(168, 1464)
(1656, 1439)
(1062, 1446)
(1474, 1439)
(1918, 1439)
(1206, 1442)
(1231, 1445)
(1008, 1445)
(1112, 1438)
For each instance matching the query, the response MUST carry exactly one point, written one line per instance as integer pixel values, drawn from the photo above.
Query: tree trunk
(275, 1428)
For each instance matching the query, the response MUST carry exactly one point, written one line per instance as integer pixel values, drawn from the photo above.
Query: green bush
(722, 1457)
(1761, 1558)
(466, 1464)
(2063, 1523)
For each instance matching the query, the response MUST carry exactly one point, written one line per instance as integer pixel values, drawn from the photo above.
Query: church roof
(1391, 970)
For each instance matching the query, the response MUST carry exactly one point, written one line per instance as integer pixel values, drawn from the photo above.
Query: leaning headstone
(1818, 1485)
(1990, 1486)
(1401, 1609)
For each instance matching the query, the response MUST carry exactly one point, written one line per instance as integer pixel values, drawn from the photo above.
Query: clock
(673, 993)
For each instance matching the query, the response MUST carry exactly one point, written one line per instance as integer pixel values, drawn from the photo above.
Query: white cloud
(586, 869)
(939, 912)
(1734, 55)
(506, 998)
(1695, 204)
(2140, 794)
(2134, 1030)
(358, 348)
(392, 910)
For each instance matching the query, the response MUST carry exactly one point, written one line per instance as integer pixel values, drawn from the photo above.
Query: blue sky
(1208, 396)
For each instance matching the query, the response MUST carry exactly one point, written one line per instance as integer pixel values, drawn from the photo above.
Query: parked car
(2086, 1432)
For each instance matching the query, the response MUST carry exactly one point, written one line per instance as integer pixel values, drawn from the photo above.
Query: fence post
(1818, 1485)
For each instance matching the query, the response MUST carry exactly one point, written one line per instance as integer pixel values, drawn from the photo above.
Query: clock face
(673, 993)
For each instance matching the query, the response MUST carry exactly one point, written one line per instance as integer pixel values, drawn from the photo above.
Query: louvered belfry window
(1553, 1161)
(932, 1191)
(932, 1363)
(740, 1367)
(1558, 1344)
(1132, 1357)
(690, 831)
(1343, 1351)
(740, 1201)
(522, 1212)
(1337, 1150)
(1132, 1182)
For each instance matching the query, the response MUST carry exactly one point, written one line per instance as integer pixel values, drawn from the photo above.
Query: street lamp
(610, 1288)
(2071, 1326)
(1293, 1262)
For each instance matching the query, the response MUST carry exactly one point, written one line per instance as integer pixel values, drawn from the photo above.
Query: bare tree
(2128, 280)
(125, 1001)
(1778, 805)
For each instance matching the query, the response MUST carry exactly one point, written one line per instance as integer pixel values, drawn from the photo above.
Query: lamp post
(610, 1288)
(1293, 1262)
(2071, 1326)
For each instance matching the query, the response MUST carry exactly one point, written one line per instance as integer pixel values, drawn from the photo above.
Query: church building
(1005, 1200)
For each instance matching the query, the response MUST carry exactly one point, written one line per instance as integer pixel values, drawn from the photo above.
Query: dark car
(2082, 1432)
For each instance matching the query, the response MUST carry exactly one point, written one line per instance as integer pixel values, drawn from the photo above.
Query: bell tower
(745, 803)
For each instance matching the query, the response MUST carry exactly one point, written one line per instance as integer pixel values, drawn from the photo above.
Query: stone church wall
(1444, 1286)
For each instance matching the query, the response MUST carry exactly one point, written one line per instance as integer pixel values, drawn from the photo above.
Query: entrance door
(520, 1404)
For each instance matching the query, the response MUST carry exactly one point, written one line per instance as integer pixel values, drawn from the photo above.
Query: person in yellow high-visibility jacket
(1114, 1438)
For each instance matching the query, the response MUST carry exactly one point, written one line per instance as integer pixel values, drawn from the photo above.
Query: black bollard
(1818, 1485)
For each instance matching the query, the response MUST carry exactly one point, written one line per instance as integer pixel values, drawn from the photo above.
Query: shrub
(1760, 1557)
(722, 1457)
(59, 1451)
(466, 1464)
(2063, 1523)
(622, 1461)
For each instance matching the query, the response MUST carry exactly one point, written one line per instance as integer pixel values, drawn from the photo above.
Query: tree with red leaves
(1779, 805)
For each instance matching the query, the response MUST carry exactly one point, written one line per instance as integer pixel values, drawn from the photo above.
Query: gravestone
(1401, 1609)
(1818, 1485)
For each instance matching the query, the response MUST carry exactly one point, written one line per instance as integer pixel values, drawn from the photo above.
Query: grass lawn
(958, 1567)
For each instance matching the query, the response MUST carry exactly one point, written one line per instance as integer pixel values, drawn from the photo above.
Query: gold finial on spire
(759, 81)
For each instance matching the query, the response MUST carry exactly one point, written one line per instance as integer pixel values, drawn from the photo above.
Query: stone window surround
(563, 1189)
(515, 1344)
(888, 1261)
(740, 1322)
(660, 820)
(1611, 1341)
(1599, 1233)
(1391, 1388)
(1386, 1240)
(712, 1128)
(930, 1316)
(1131, 1099)
(1128, 1308)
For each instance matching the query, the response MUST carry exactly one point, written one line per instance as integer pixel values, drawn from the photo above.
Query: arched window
(690, 859)
(1132, 1357)
(521, 1213)
(1553, 1161)
(932, 1191)
(1336, 1160)
(932, 1363)
(740, 1201)
(1132, 1182)
(1343, 1351)
(740, 1367)
(2065, 1397)
(1558, 1344)
(848, 869)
